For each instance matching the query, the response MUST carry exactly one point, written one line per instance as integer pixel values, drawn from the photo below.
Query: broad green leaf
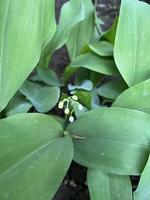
(42, 97)
(102, 48)
(85, 98)
(108, 187)
(132, 44)
(95, 63)
(143, 190)
(83, 32)
(49, 23)
(18, 104)
(111, 89)
(88, 99)
(48, 76)
(34, 157)
(114, 140)
(21, 40)
(136, 97)
(71, 14)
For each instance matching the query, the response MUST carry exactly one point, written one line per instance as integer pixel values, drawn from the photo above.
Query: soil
(74, 185)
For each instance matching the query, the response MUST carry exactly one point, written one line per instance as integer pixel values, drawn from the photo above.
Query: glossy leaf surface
(83, 32)
(102, 48)
(34, 157)
(95, 63)
(18, 104)
(72, 13)
(132, 44)
(42, 97)
(48, 76)
(108, 187)
(115, 140)
(21, 39)
(111, 89)
(136, 97)
(143, 190)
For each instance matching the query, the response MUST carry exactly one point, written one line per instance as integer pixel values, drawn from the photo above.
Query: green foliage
(111, 89)
(98, 111)
(22, 37)
(136, 97)
(41, 151)
(113, 143)
(42, 97)
(108, 187)
(72, 13)
(95, 63)
(83, 32)
(132, 41)
(143, 192)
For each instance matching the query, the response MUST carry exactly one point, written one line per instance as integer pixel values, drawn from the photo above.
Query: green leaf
(83, 32)
(85, 85)
(48, 76)
(111, 89)
(95, 63)
(84, 97)
(21, 40)
(108, 187)
(72, 13)
(49, 23)
(42, 97)
(82, 75)
(136, 97)
(111, 33)
(78, 112)
(120, 138)
(18, 104)
(34, 157)
(143, 190)
(69, 71)
(102, 48)
(132, 44)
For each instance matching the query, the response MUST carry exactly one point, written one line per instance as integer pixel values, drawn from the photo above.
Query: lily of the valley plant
(103, 99)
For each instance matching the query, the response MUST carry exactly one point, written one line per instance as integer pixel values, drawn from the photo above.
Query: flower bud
(74, 97)
(61, 105)
(71, 118)
(67, 111)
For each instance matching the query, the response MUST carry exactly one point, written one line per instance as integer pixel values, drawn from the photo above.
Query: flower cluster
(67, 103)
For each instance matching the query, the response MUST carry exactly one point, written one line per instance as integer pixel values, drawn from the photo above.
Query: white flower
(80, 107)
(71, 118)
(67, 111)
(74, 97)
(61, 105)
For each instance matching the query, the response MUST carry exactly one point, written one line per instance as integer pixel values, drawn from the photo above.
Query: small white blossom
(74, 97)
(80, 107)
(61, 105)
(71, 118)
(67, 111)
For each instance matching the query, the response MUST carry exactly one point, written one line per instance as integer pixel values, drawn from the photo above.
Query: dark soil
(74, 186)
